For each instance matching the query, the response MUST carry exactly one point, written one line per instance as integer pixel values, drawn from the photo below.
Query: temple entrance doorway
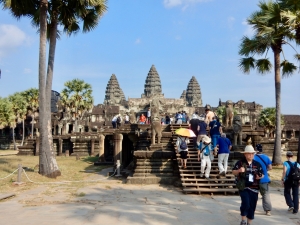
(109, 148)
(127, 151)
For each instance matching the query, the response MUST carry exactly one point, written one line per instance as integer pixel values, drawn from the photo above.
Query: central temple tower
(152, 84)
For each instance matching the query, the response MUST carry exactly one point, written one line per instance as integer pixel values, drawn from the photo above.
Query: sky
(182, 38)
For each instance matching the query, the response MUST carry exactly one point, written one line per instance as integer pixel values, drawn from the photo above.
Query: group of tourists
(251, 172)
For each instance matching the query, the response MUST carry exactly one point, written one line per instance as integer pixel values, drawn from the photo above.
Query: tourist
(187, 118)
(179, 118)
(183, 152)
(183, 117)
(215, 130)
(248, 173)
(292, 200)
(114, 121)
(168, 119)
(149, 116)
(205, 155)
(266, 165)
(201, 130)
(208, 114)
(126, 118)
(193, 125)
(142, 119)
(224, 146)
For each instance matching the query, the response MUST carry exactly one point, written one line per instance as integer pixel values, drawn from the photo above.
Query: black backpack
(294, 174)
(183, 145)
(118, 119)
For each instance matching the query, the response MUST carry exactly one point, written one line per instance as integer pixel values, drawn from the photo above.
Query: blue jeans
(248, 205)
(214, 140)
(114, 124)
(291, 202)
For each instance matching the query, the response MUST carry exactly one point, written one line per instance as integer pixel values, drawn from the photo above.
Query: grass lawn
(71, 169)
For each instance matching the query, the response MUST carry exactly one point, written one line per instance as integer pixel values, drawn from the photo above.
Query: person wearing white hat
(205, 154)
(248, 172)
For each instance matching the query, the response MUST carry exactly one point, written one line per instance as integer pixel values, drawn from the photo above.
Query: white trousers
(205, 160)
(223, 157)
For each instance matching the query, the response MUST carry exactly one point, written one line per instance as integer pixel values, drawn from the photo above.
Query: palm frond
(287, 68)
(263, 66)
(246, 64)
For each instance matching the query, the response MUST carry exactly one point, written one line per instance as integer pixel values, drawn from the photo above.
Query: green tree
(69, 14)
(271, 33)
(267, 119)
(19, 108)
(7, 117)
(77, 97)
(32, 98)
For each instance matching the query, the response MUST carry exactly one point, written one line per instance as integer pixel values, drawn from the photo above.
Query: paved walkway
(112, 202)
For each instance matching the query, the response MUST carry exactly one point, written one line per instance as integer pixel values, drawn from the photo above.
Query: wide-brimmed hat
(206, 139)
(249, 149)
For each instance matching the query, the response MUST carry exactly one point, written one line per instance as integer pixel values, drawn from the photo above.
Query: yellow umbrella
(185, 132)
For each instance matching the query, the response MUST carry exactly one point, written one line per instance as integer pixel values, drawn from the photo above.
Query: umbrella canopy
(185, 132)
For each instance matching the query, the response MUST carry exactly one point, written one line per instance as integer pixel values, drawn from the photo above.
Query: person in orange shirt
(142, 119)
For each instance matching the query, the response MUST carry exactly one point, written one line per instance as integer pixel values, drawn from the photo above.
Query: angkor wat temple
(131, 143)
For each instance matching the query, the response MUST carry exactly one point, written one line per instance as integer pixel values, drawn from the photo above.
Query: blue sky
(182, 38)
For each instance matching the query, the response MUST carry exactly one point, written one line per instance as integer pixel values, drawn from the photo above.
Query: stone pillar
(37, 145)
(92, 147)
(59, 129)
(60, 146)
(101, 148)
(118, 138)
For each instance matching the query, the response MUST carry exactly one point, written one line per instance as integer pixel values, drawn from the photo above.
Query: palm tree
(32, 98)
(19, 108)
(7, 117)
(271, 33)
(267, 119)
(77, 96)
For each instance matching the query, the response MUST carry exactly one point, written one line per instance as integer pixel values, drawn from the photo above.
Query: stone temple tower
(193, 93)
(114, 95)
(152, 84)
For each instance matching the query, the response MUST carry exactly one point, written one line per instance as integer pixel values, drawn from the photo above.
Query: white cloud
(27, 71)
(137, 41)
(249, 32)
(184, 3)
(11, 37)
(230, 21)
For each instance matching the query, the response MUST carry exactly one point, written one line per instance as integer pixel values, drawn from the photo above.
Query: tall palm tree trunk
(277, 145)
(14, 139)
(23, 135)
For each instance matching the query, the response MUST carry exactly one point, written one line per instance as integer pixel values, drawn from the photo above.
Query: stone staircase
(190, 177)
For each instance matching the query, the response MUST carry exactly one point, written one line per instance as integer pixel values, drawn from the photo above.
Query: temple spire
(193, 93)
(152, 84)
(113, 94)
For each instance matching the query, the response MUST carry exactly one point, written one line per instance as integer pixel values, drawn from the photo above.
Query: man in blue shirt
(224, 145)
(266, 165)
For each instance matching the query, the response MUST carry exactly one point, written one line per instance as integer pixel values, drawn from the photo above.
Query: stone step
(210, 185)
(217, 180)
(153, 170)
(169, 163)
(153, 175)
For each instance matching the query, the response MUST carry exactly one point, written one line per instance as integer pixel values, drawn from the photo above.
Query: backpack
(294, 174)
(118, 119)
(183, 145)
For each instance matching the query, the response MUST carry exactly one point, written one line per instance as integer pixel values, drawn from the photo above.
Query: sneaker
(201, 174)
(294, 212)
(207, 178)
(243, 222)
(268, 213)
(290, 209)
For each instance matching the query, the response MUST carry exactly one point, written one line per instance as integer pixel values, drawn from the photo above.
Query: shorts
(183, 154)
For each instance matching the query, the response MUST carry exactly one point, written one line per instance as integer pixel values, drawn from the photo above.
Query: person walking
(204, 154)
(248, 172)
(215, 130)
(193, 125)
(292, 200)
(266, 165)
(149, 116)
(114, 121)
(126, 118)
(182, 149)
(201, 131)
(224, 146)
(179, 118)
(142, 119)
